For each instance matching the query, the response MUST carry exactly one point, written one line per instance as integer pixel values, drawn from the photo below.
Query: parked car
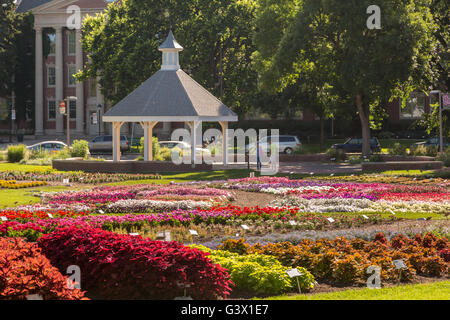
(104, 144)
(182, 145)
(48, 146)
(287, 144)
(355, 145)
(432, 142)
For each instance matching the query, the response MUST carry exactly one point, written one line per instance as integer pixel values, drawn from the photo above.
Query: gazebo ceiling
(170, 95)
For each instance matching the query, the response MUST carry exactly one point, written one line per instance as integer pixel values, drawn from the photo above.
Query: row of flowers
(13, 184)
(344, 261)
(76, 176)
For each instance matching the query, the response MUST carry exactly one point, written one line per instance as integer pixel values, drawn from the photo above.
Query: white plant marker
(399, 264)
(245, 227)
(365, 217)
(193, 232)
(34, 297)
(292, 222)
(50, 215)
(4, 218)
(294, 273)
(330, 219)
(167, 236)
(101, 211)
(391, 211)
(133, 234)
(66, 181)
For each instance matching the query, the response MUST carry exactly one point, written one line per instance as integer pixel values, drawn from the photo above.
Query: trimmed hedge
(117, 266)
(24, 271)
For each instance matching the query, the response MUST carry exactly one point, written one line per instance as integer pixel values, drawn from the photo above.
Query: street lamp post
(64, 108)
(441, 137)
(99, 110)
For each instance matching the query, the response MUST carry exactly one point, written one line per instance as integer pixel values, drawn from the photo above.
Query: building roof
(170, 95)
(26, 5)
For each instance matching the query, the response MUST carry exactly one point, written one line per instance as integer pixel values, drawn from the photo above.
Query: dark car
(355, 145)
(104, 144)
(433, 142)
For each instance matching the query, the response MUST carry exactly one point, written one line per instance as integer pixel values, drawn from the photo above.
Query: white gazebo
(170, 95)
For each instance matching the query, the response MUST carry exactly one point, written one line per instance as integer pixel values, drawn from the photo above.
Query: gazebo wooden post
(116, 140)
(148, 139)
(224, 125)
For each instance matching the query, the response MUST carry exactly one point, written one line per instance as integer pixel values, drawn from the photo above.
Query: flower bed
(75, 176)
(344, 261)
(128, 267)
(258, 273)
(25, 271)
(13, 184)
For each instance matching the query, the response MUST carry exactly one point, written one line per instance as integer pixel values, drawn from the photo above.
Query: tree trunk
(322, 132)
(364, 117)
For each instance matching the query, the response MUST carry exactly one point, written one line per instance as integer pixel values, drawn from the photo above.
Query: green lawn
(433, 291)
(18, 197)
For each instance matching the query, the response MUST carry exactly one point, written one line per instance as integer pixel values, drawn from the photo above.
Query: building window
(73, 109)
(415, 106)
(51, 76)
(71, 40)
(92, 88)
(71, 71)
(51, 110)
(51, 41)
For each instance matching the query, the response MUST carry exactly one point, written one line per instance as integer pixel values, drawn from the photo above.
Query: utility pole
(64, 108)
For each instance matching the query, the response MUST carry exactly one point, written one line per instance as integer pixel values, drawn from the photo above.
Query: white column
(224, 126)
(39, 85)
(116, 140)
(59, 68)
(148, 139)
(196, 137)
(80, 85)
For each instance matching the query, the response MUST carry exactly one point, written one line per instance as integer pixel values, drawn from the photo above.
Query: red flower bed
(24, 271)
(43, 214)
(115, 266)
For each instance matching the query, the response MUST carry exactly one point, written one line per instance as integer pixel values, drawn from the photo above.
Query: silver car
(287, 144)
(104, 144)
(48, 146)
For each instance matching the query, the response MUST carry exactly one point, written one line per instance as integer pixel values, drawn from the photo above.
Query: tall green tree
(122, 43)
(17, 58)
(365, 64)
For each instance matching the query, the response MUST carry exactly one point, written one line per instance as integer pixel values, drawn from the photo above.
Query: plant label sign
(292, 223)
(399, 264)
(365, 217)
(193, 232)
(50, 215)
(245, 227)
(133, 234)
(392, 212)
(294, 273)
(101, 211)
(330, 219)
(167, 236)
(34, 297)
(66, 181)
(4, 218)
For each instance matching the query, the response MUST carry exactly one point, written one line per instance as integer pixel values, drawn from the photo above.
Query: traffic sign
(62, 107)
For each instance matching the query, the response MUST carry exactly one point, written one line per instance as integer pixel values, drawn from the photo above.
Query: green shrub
(398, 149)
(258, 273)
(3, 155)
(376, 157)
(422, 150)
(336, 154)
(16, 153)
(445, 158)
(385, 135)
(79, 148)
(354, 160)
(155, 147)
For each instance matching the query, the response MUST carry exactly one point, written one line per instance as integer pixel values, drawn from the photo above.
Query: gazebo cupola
(170, 49)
